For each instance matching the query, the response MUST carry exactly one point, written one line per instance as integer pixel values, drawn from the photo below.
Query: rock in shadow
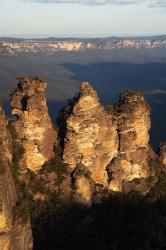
(120, 222)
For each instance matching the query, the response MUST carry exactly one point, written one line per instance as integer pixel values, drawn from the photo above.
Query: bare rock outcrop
(133, 118)
(7, 187)
(33, 124)
(91, 141)
(21, 236)
(8, 195)
(104, 150)
(108, 148)
(162, 153)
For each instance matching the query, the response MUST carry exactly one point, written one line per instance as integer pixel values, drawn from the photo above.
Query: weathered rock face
(162, 153)
(8, 196)
(33, 124)
(21, 237)
(91, 140)
(133, 118)
(83, 185)
(7, 187)
(107, 147)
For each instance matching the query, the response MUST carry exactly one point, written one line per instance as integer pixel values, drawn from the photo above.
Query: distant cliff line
(15, 46)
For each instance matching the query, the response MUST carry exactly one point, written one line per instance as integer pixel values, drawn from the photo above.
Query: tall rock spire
(133, 118)
(33, 124)
(91, 141)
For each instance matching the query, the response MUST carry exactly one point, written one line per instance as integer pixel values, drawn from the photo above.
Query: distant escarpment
(53, 45)
(92, 153)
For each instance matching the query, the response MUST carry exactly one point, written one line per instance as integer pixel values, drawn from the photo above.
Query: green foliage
(56, 165)
(18, 151)
(121, 222)
(39, 183)
(22, 207)
(36, 183)
(22, 210)
(55, 126)
(2, 166)
(158, 191)
(42, 212)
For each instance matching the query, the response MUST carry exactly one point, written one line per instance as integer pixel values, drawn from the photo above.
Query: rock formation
(91, 141)
(36, 46)
(7, 187)
(33, 124)
(106, 148)
(162, 153)
(21, 236)
(9, 236)
(133, 118)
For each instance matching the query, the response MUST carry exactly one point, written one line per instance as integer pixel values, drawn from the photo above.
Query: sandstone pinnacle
(33, 124)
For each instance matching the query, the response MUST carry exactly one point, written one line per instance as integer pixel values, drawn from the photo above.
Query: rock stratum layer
(33, 124)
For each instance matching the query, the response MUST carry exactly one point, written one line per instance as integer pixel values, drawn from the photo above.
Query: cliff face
(33, 46)
(33, 124)
(21, 236)
(162, 153)
(32, 144)
(91, 141)
(7, 187)
(9, 236)
(133, 118)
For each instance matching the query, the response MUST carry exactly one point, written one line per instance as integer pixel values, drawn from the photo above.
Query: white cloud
(158, 3)
(155, 92)
(150, 3)
(89, 2)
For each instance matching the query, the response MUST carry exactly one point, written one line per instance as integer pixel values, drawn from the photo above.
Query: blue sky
(82, 17)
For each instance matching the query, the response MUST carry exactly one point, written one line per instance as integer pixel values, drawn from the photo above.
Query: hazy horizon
(33, 36)
(92, 18)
